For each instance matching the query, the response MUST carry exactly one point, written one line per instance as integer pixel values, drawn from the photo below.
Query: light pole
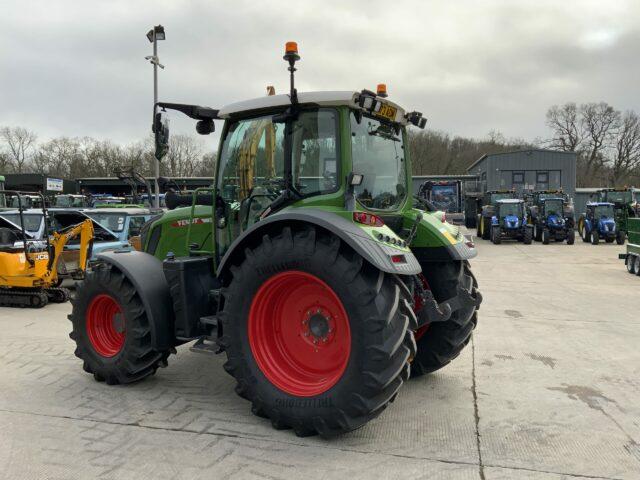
(155, 34)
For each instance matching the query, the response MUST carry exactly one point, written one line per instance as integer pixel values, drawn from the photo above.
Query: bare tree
(184, 155)
(600, 122)
(626, 158)
(19, 145)
(564, 121)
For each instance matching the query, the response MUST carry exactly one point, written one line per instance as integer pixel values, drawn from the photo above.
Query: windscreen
(510, 209)
(553, 207)
(31, 221)
(604, 211)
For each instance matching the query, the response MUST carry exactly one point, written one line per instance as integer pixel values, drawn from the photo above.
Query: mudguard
(145, 272)
(376, 253)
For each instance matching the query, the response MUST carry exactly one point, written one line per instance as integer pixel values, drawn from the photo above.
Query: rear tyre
(631, 264)
(317, 339)
(637, 264)
(111, 329)
(545, 236)
(486, 228)
(441, 342)
(571, 236)
(528, 235)
(620, 237)
(595, 237)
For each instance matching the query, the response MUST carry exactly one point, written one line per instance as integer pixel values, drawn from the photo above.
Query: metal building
(526, 170)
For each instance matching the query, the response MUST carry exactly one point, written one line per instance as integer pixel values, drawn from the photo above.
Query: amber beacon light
(381, 90)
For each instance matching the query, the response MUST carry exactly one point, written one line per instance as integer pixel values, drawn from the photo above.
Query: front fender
(377, 253)
(145, 272)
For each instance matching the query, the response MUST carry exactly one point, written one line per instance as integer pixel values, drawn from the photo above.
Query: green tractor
(489, 203)
(625, 204)
(632, 256)
(305, 264)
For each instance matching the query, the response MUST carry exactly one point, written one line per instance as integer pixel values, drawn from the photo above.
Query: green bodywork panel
(174, 225)
(431, 231)
(633, 245)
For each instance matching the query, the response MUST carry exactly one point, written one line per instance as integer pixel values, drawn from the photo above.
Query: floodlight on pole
(153, 35)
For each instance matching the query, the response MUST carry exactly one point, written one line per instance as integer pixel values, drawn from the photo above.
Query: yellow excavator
(29, 269)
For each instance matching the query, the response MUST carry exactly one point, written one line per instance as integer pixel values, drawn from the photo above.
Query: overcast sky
(77, 68)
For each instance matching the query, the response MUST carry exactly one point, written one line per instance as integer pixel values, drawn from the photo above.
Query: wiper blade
(378, 132)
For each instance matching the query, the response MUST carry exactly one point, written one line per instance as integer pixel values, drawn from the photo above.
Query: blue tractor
(598, 222)
(510, 222)
(552, 220)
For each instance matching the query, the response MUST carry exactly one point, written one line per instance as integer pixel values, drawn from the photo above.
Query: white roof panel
(328, 98)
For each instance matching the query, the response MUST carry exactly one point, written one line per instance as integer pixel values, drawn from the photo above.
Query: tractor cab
(599, 222)
(625, 203)
(487, 205)
(509, 213)
(510, 221)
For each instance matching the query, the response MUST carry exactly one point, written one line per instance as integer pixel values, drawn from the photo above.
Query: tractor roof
(599, 204)
(510, 200)
(323, 99)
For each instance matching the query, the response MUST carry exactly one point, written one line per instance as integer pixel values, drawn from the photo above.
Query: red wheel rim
(299, 333)
(105, 325)
(418, 304)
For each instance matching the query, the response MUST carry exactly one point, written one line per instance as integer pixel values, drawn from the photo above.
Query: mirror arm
(192, 111)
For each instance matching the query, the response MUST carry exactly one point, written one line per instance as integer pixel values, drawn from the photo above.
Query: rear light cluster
(367, 219)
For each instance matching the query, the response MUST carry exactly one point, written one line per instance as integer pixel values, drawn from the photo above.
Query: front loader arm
(60, 239)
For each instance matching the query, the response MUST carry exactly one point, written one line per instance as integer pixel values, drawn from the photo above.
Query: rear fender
(145, 272)
(376, 253)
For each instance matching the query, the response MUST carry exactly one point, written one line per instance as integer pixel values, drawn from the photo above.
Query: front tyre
(546, 235)
(571, 236)
(440, 342)
(595, 237)
(111, 329)
(528, 235)
(316, 338)
(620, 237)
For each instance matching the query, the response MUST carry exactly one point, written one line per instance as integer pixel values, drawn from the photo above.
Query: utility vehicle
(625, 206)
(552, 217)
(598, 222)
(510, 222)
(632, 256)
(312, 271)
(488, 209)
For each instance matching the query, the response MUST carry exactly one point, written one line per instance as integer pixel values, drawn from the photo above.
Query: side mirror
(205, 127)
(161, 133)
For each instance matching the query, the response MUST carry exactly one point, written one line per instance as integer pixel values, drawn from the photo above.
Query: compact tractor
(625, 206)
(552, 217)
(305, 264)
(598, 222)
(28, 269)
(632, 256)
(509, 221)
(488, 209)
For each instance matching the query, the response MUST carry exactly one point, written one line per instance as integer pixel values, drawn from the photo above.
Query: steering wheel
(384, 200)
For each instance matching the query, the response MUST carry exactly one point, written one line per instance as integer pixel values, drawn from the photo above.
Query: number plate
(388, 112)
